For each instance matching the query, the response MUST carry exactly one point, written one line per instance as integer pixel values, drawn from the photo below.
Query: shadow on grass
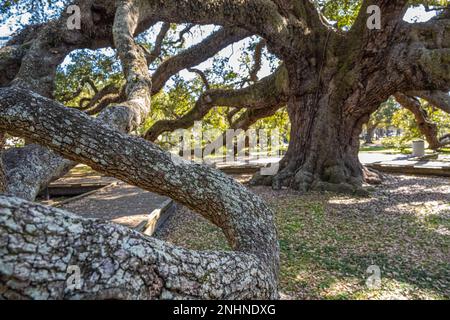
(328, 241)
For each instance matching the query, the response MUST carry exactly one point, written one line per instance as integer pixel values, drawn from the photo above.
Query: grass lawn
(328, 241)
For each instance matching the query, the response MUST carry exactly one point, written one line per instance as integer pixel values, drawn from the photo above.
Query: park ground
(328, 241)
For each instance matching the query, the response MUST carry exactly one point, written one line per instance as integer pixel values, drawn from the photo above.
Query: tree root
(334, 179)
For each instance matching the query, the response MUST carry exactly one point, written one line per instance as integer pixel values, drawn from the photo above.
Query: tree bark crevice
(246, 221)
(41, 244)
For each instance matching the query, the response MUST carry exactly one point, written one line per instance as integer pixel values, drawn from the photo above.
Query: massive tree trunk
(332, 95)
(323, 148)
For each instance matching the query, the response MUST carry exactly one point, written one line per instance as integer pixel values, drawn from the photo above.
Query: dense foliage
(180, 94)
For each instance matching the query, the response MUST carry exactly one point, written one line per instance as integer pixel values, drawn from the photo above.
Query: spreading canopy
(322, 62)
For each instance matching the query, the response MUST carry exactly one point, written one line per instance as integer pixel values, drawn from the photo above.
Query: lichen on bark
(246, 221)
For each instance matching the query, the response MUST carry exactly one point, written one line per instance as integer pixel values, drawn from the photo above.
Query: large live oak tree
(331, 81)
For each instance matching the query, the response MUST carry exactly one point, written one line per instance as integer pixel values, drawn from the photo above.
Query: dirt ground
(329, 241)
(121, 203)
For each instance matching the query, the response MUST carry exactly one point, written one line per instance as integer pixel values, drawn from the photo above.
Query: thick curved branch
(257, 60)
(127, 158)
(134, 63)
(257, 16)
(12, 53)
(272, 90)
(428, 128)
(196, 54)
(435, 66)
(392, 15)
(422, 55)
(246, 221)
(38, 68)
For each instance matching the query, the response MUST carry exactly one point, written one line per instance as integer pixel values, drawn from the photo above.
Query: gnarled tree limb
(246, 221)
(428, 128)
(196, 54)
(257, 16)
(270, 91)
(134, 63)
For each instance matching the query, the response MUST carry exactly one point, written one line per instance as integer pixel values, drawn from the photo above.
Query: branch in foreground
(246, 221)
(39, 244)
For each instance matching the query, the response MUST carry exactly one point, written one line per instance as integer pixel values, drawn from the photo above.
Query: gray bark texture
(330, 80)
(39, 245)
(246, 221)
